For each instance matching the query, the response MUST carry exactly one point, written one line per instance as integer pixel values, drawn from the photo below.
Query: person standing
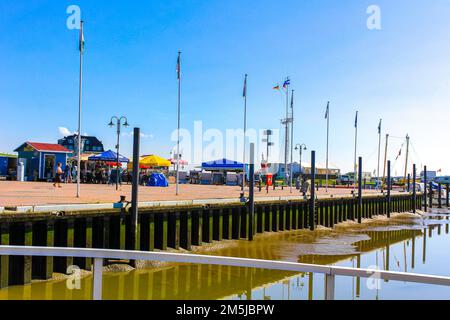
(74, 173)
(58, 176)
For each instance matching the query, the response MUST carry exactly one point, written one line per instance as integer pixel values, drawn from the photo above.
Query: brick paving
(39, 193)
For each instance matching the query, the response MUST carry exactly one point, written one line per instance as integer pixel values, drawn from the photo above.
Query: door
(49, 167)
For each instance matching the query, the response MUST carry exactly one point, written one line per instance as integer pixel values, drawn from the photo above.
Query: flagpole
(179, 125)
(286, 141)
(292, 140)
(79, 109)
(356, 143)
(379, 151)
(245, 133)
(328, 143)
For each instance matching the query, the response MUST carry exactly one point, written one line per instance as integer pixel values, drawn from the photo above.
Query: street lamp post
(300, 147)
(118, 124)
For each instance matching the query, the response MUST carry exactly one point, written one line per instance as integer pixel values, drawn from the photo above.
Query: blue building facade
(41, 159)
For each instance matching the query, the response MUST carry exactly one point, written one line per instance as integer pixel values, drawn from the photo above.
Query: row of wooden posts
(177, 227)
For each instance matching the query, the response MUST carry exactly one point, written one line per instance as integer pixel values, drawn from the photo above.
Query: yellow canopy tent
(151, 161)
(155, 161)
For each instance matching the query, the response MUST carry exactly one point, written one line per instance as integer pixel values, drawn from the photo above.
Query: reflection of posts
(310, 285)
(358, 279)
(388, 247)
(424, 249)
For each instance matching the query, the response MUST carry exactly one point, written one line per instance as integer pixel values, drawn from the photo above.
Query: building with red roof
(40, 160)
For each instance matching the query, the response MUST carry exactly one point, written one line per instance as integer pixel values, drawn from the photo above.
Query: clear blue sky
(399, 73)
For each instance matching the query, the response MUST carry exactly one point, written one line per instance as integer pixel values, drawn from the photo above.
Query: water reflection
(389, 246)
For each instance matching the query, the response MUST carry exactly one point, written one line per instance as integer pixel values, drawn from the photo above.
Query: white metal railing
(330, 272)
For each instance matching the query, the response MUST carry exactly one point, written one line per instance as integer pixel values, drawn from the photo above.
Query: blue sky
(399, 73)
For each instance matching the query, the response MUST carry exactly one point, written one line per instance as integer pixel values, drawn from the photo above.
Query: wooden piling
(147, 231)
(197, 227)
(217, 224)
(186, 230)
(4, 260)
(63, 237)
(20, 234)
(173, 230)
(42, 236)
(161, 230)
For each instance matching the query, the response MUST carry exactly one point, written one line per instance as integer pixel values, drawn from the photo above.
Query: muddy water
(418, 245)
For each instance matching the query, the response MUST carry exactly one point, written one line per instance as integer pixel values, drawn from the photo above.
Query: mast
(407, 156)
(385, 158)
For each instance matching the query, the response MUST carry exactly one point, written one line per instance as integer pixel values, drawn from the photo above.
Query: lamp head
(126, 124)
(111, 124)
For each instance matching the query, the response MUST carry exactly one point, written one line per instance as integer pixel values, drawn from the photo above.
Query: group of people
(97, 175)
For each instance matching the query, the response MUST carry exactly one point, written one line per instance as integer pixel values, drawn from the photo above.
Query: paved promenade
(38, 193)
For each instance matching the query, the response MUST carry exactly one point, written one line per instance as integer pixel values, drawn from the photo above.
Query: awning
(223, 164)
(154, 161)
(109, 156)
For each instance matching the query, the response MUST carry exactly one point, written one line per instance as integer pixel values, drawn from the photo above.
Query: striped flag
(245, 87)
(179, 66)
(356, 120)
(277, 87)
(81, 42)
(287, 83)
(327, 113)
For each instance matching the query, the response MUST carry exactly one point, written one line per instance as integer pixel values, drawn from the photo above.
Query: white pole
(356, 143)
(179, 124)
(245, 133)
(328, 142)
(79, 110)
(379, 153)
(292, 141)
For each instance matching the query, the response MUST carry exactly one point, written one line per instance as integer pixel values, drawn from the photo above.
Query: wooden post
(360, 202)
(20, 266)
(425, 188)
(42, 267)
(135, 189)
(173, 230)
(186, 230)
(251, 229)
(414, 197)
(161, 230)
(147, 232)
(4, 260)
(312, 199)
(389, 186)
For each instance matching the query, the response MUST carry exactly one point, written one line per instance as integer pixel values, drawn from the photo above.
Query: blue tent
(157, 180)
(108, 156)
(222, 164)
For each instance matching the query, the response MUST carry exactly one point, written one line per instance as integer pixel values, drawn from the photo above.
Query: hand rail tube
(329, 271)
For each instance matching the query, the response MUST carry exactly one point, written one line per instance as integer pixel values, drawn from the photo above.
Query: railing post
(440, 195)
(329, 286)
(98, 280)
